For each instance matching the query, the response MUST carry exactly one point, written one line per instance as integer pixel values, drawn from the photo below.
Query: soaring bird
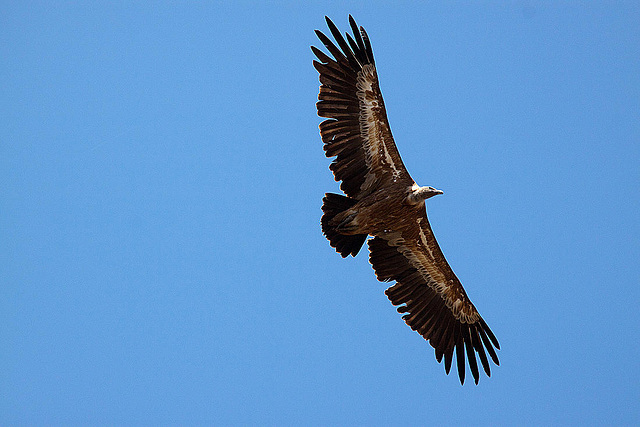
(383, 201)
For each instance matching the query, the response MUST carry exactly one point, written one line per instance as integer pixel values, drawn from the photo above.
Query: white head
(427, 192)
(419, 194)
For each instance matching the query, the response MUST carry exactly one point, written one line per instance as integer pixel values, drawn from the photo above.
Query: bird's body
(368, 219)
(383, 201)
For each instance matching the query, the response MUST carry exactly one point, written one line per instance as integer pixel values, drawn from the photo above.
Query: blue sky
(162, 260)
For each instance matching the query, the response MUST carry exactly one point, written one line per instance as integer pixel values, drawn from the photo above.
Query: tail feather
(332, 205)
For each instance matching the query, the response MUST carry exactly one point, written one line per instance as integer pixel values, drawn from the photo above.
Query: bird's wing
(356, 130)
(431, 296)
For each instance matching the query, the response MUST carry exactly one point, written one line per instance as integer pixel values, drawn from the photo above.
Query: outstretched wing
(357, 130)
(431, 296)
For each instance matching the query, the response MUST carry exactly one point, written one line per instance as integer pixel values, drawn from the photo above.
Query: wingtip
(329, 21)
(448, 358)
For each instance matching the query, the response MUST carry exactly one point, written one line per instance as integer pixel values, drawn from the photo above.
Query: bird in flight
(383, 201)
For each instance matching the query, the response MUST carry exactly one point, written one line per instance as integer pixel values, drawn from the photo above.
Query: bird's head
(427, 192)
(420, 194)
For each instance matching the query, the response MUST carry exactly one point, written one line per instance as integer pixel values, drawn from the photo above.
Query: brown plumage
(383, 201)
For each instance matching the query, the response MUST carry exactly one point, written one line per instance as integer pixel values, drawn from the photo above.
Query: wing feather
(477, 344)
(459, 351)
(448, 354)
(443, 339)
(431, 297)
(350, 95)
(471, 356)
(488, 346)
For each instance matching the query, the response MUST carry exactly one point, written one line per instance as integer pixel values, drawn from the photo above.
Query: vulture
(382, 201)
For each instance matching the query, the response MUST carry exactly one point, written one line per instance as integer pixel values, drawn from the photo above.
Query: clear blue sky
(162, 176)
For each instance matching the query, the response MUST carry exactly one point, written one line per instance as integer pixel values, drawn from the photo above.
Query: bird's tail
(332, 205)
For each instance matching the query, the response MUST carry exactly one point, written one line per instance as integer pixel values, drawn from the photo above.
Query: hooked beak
(433, 192)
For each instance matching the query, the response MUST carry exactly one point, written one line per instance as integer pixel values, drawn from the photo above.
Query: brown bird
(383, 201)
